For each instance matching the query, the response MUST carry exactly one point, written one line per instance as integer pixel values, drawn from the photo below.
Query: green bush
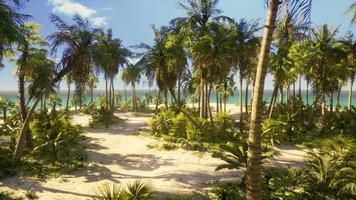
(227, 190)
(103, 117)
(55, 138)
(137, 190)
(174, 123)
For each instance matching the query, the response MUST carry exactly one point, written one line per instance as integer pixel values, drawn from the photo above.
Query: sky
(131, 21)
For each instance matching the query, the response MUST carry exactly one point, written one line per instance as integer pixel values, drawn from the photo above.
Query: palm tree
(253, 178)
(154, 63)
(40, 84)
(199, 14)
(348, 44)
(109, 55)
(31, 39)
(132, 75)
(245, 53)
(11, 23)
(324, 57)
(77, 42)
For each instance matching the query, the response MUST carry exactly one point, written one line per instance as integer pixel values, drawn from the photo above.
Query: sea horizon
(12, 95)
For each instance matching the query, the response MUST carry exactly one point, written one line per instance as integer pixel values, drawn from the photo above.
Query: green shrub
(162, 122)
(103, 117)
(228, 190)
(55, 138)
(176, 124)
(137, 190)
(31, 194)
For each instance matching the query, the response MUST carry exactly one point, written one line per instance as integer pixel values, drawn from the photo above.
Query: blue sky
(131, 19)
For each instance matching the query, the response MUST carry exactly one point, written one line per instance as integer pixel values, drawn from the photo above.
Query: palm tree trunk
(166, 98)
(125, 93)
(91, 94)
(68, 96)
(199, 99)
(29, 141)
(133, 96)
(300, 87)
(273, 101)
(106, 93)
(220, 102)
(22, 137)
(179, 85)
(331, 99)
(253, 172)
(217, 100)
(157, 99)
(307, 92)
(246, 99)
(113, 95)
(22, 96)
(207, 97)
(209, 108)
(323, 106)
(350, 94)
(110, 94)
(338, 98)
(202, 99)
(241, 109)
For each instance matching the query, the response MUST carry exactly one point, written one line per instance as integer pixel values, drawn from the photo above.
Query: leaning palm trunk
(29, 141)
(253, 173)
(350, 94)
(22, 96)
(273, 101)
(22, 137)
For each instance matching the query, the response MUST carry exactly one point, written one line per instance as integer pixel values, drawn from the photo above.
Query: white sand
(120, 154)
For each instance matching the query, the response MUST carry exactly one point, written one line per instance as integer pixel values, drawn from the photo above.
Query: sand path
(120, 154)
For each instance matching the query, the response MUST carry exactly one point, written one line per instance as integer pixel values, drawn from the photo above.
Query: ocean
(13, 96)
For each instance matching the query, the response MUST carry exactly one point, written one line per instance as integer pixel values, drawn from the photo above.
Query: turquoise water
(13, 96)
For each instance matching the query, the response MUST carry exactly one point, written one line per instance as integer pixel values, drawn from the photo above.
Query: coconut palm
(77, 42)
(31, 39)
(11, 22)
(348, 44)
(253, 178)
(245, 52)
(324, 56)
(39, 77)
(132, 75)
(154, 63)
(109, 54)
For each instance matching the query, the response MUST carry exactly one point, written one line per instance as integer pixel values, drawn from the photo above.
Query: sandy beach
(121, 154)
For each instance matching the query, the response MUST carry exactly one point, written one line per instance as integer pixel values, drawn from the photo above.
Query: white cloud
(71, 8)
